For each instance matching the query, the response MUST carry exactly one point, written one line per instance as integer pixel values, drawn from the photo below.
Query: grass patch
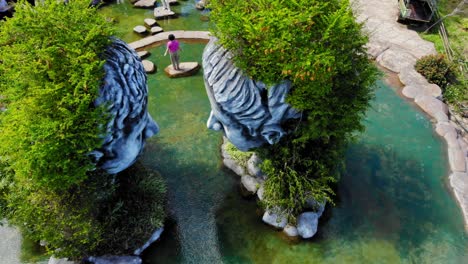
(239, 156)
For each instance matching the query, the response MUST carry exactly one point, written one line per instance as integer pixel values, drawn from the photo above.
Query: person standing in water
(173, 47)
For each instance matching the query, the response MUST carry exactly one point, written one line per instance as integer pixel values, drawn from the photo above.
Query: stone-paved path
(397, 48)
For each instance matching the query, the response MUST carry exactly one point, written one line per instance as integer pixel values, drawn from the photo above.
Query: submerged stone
(307, 224)
(145, 3)
(150, 22)
(155, 30)
(149, 66)
(143, 54)
(186, 69)
(274, 219)
(140, 29)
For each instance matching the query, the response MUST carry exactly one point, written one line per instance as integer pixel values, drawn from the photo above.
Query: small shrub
(239, 156)
(436, 69)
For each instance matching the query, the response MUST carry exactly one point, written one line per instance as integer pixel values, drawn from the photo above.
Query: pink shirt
(173, 46)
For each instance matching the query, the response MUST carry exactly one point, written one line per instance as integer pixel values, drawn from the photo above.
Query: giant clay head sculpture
(249, 114)
(124, 92)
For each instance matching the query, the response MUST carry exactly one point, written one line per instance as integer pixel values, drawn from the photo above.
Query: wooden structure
(419, 11)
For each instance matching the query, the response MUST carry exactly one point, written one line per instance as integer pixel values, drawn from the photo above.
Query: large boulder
(274, 219)
(249, 113)
(125, 95)
(307, 224)
(253, 166)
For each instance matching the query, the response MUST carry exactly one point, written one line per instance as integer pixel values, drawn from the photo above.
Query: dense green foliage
(52, 68)
(240, 157)
(452, 16)
(319, 46)
(51, 72)
(436, 69)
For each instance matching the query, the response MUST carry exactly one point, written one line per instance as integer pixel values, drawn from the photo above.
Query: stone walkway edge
(202, 36)
(397, 49)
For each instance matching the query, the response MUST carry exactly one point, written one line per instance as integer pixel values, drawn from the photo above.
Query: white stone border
(202, 36)
(396, 48)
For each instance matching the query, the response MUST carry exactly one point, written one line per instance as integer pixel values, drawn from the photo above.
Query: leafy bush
(319, 46)
(240, 157)
(436, 69)
(52, 68)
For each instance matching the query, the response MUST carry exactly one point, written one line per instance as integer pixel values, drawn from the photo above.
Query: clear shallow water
(393, 205)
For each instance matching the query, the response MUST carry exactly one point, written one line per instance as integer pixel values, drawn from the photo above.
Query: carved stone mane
(249, 114)
(126, 93)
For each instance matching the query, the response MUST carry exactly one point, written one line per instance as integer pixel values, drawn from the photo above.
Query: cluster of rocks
(150, 25)
(396, 48)
(252, 183)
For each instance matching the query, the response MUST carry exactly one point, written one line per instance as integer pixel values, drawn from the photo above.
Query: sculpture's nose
(272, 133)
(213, 123)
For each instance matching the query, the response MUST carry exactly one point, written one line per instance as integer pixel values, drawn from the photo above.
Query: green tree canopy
(320, 47)
(51, 73)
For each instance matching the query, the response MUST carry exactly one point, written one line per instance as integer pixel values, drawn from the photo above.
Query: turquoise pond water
(393, 202)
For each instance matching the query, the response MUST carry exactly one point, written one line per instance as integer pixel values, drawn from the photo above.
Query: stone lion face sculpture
(125, 93)
(249, 114)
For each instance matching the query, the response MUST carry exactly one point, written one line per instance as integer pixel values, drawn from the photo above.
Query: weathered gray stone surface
(154, 237)
(307, 224)
(145, 4)
(274, 219)
(143, 54)
(150, 22)
(155, 30)
(237, 102)
(186, 69)
(10, 244)
(250, 183)
(395, 59)
(140, 29)
(234, 166)
(443, 128)
(252, 166)
(431, 105)
(148, 66)
(457, 159)
(161, 38)
(115, 260)
(126, 93)
(261, 191)
(290, 230)
(413, 90)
